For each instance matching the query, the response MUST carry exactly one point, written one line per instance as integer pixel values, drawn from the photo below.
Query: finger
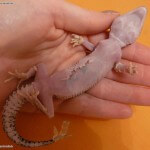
(140, 78)
(138, 53)
(72, 18)
(122, 93)
(90, 106)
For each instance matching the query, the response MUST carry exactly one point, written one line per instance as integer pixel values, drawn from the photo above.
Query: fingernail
(110, 11)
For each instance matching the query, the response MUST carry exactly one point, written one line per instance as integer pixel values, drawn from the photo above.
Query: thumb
(75, 19)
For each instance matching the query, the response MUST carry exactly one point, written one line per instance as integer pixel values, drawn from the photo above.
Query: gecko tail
(13, 105)
(58, 135)
(27, 143)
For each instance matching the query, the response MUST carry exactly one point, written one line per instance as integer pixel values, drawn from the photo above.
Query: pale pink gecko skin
(91, 69)
(77, 79)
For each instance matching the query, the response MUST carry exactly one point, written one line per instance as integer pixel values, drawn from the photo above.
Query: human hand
(42, 34)
(109, 98)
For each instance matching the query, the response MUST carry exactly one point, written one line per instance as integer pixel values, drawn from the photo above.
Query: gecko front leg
(123, 68)
(77, 40)
(119, 67)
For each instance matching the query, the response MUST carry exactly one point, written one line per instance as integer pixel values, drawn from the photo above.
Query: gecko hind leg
(123, 68)
(22, 76)
(77, 40)
(30, 93)
(63, 132)
(41, 82)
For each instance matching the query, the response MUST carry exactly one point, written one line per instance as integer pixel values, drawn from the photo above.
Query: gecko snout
(126, 28)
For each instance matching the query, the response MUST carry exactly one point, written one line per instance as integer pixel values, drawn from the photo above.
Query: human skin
(39, 31)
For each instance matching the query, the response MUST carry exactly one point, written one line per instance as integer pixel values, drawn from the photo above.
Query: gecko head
(126, 28)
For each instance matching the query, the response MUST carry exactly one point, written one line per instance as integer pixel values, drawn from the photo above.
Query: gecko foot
(21, 76)
(31, 93)
(131, 69)
(63, 132)
(17, 75)
(76, 40)
(122, 68)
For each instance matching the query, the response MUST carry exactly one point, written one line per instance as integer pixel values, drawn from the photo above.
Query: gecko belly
(87, 72)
